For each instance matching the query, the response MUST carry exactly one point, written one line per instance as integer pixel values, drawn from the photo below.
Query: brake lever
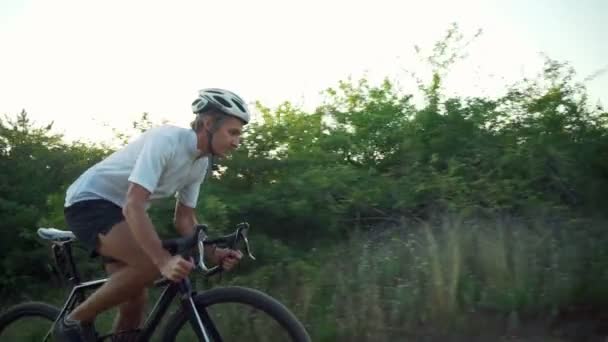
(202, 237)
(241, 233)
(243, 230)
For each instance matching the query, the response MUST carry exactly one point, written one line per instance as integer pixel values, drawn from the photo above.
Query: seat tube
(72, 265)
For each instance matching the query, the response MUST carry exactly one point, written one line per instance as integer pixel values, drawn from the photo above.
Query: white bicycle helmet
(224, 100)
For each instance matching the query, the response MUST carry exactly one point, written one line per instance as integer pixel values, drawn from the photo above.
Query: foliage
(369, 158)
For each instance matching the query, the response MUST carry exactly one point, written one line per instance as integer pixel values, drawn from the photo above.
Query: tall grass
(452, 276)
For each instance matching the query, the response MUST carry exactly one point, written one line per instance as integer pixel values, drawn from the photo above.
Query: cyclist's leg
(125, 283)
(130, 313)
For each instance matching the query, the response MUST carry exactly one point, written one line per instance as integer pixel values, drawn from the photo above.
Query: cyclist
(106, 208)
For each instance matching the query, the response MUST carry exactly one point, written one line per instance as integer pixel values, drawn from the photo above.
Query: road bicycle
(230, 313)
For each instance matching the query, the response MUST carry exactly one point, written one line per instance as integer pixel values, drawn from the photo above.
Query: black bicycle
(220, 314)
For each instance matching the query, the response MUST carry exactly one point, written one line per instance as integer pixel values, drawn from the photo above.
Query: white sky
(85, 63)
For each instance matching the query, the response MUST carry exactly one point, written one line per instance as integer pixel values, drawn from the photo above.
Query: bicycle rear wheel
(238, 314)
(28, 322)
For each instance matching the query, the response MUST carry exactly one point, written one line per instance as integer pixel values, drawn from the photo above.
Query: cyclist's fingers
(235, 254)
(182, 269)
(188, 264)
(229, 263)
(178, 275)
(231, 259)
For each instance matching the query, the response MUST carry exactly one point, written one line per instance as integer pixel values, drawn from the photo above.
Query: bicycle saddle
(55, 234)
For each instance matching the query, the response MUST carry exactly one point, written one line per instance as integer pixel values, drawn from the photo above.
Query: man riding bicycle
(106, 208)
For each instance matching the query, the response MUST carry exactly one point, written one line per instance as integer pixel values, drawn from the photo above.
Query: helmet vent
(222, 101)
(236, 103)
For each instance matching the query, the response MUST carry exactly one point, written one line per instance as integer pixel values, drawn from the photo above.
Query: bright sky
(85, 63)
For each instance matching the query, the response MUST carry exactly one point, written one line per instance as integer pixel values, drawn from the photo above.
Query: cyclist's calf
(131, 313)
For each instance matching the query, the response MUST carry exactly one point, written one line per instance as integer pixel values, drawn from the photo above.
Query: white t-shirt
(164, 160)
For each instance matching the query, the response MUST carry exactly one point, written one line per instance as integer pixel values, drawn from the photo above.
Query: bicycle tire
(240, 295)
(27, 310)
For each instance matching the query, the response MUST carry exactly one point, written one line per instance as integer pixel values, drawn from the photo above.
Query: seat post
(65, 261)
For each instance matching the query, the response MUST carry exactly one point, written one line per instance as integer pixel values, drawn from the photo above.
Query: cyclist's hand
(176, 268)
(228, 258)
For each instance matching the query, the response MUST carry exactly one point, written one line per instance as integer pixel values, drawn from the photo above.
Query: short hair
(214, 113)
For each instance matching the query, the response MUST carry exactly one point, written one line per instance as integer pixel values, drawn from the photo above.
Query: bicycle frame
(63, 257)
(199, 320)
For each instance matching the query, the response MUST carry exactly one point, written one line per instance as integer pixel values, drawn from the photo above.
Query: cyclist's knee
(120, 244)
(114, 266)
(145, 269)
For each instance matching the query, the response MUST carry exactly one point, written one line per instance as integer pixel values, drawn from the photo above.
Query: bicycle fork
(199, 319)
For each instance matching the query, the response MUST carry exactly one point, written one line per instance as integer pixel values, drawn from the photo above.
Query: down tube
(200, 321)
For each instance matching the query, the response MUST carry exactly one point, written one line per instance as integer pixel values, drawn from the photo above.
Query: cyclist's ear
(210, 120)
(207, 122)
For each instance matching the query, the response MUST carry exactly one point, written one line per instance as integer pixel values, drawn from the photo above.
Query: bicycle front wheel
(28, 322)
(238, 314)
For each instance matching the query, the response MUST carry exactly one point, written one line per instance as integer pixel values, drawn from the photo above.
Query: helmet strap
(210, 132)
(211, 161)
(210, 142)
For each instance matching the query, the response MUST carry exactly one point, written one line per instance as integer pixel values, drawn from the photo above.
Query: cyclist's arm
(186, 200)
(141, 226)
(184, 219)
(153, 158)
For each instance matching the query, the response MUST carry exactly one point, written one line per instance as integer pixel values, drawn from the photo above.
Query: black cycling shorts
(87, 219)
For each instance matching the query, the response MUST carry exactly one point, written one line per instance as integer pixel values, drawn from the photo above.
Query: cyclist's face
(228, 136)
